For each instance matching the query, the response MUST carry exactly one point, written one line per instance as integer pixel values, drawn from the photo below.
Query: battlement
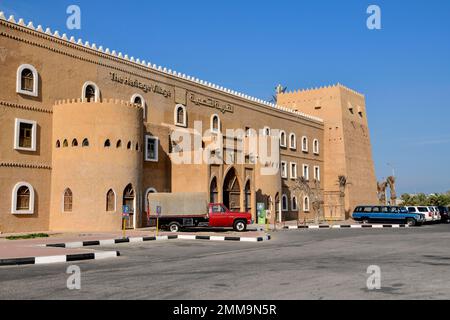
(103, 101)
(323, 88)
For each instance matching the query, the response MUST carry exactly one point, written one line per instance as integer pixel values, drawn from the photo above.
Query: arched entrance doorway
(277, 208)
(128, 200)
(232, 191)
(213, 191)
(248, 197)
(147, 221)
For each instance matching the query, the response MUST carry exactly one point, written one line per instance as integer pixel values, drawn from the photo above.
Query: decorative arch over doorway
(129, 200)
(232, 191)
(213, 191)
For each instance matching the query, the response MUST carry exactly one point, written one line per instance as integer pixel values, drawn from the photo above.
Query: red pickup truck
(178, 211)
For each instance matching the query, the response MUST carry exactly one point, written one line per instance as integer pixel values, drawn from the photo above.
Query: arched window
(107, 143)
(119, 144)
(180, 115)
(137, 146)
(215, 123)
(22, 199)
(316, 146)
(65, 143)
(266, 131)
(140, 101)
(306, 204)
(85, 143)
(90, 92)
(294, 203)
(305, 144)
(248, 197)
(27, 80)
(68, 200)
(284, 203)
(213, 191)
(74, 143)
(111, 201)
(129, 145)
(283, 140)
(292, 141)
(58, 144)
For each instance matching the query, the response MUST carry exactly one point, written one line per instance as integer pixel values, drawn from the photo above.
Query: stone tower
(347, 149)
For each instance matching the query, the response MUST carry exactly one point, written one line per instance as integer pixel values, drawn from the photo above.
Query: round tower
(96, 165)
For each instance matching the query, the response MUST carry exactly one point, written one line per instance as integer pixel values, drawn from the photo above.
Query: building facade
(86, 130)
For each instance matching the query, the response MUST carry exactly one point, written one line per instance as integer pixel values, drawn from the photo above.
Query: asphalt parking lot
(316, 264)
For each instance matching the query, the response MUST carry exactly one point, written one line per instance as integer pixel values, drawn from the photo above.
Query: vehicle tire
(411, 222)
(240, 226)
(174, 227)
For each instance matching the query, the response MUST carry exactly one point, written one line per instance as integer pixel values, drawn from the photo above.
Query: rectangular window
(25, 135)
(293, 170)
(151, 150)
(306, 171)
(284, 173)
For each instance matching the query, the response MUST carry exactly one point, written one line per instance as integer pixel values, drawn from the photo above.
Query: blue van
(387, 214)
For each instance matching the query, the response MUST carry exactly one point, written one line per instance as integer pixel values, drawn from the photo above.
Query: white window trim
(316, 146)
(284, 173)
(148, 137)
(35, 91)
(219, 122)
(307, 172)
(293, 144)
(305, 149)
(287, 203)
(115, 199)
(291, 167)
(306, 208)
(175, 118)
(14, 199)
(317, 173)
(17, 135)
(294, 203)
(83, 91)
(283, 142)
(144, 103)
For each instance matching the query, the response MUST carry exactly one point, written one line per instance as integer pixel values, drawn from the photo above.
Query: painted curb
(73, 245)
(348, 226)
(59, 259)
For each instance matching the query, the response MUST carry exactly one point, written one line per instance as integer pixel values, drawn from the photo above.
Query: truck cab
(221, 217)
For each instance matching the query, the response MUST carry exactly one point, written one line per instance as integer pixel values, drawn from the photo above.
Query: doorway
(128, 200)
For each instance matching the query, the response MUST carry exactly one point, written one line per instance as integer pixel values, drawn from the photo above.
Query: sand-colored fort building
(86, 130)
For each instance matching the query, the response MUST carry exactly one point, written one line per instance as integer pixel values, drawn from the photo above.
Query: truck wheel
(174, 227)
(411, 222)
(240, 226)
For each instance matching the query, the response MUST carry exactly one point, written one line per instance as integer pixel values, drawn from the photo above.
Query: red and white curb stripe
(348, 226)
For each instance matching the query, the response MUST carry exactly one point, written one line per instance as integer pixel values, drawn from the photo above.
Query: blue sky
(251, 46)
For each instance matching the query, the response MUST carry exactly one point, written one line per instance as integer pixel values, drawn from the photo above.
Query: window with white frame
(266, 131)
(284, 170)
(284, 203)
(304, 144)
(316, 146)
(22, 199)
(293, 170)
(292, 141)
(25, 135)
(90, 92)
(140, 101)
(306, 204)
(27, 80)
(294, 204)
(215, 123)
(306, 171)
(180, 116)
(317, 173)
(283, 139)
(151, 148)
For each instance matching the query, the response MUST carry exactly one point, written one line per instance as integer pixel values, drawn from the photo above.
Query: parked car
(444, 211)
(429, 216)
(387, 214)
(436, 214)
